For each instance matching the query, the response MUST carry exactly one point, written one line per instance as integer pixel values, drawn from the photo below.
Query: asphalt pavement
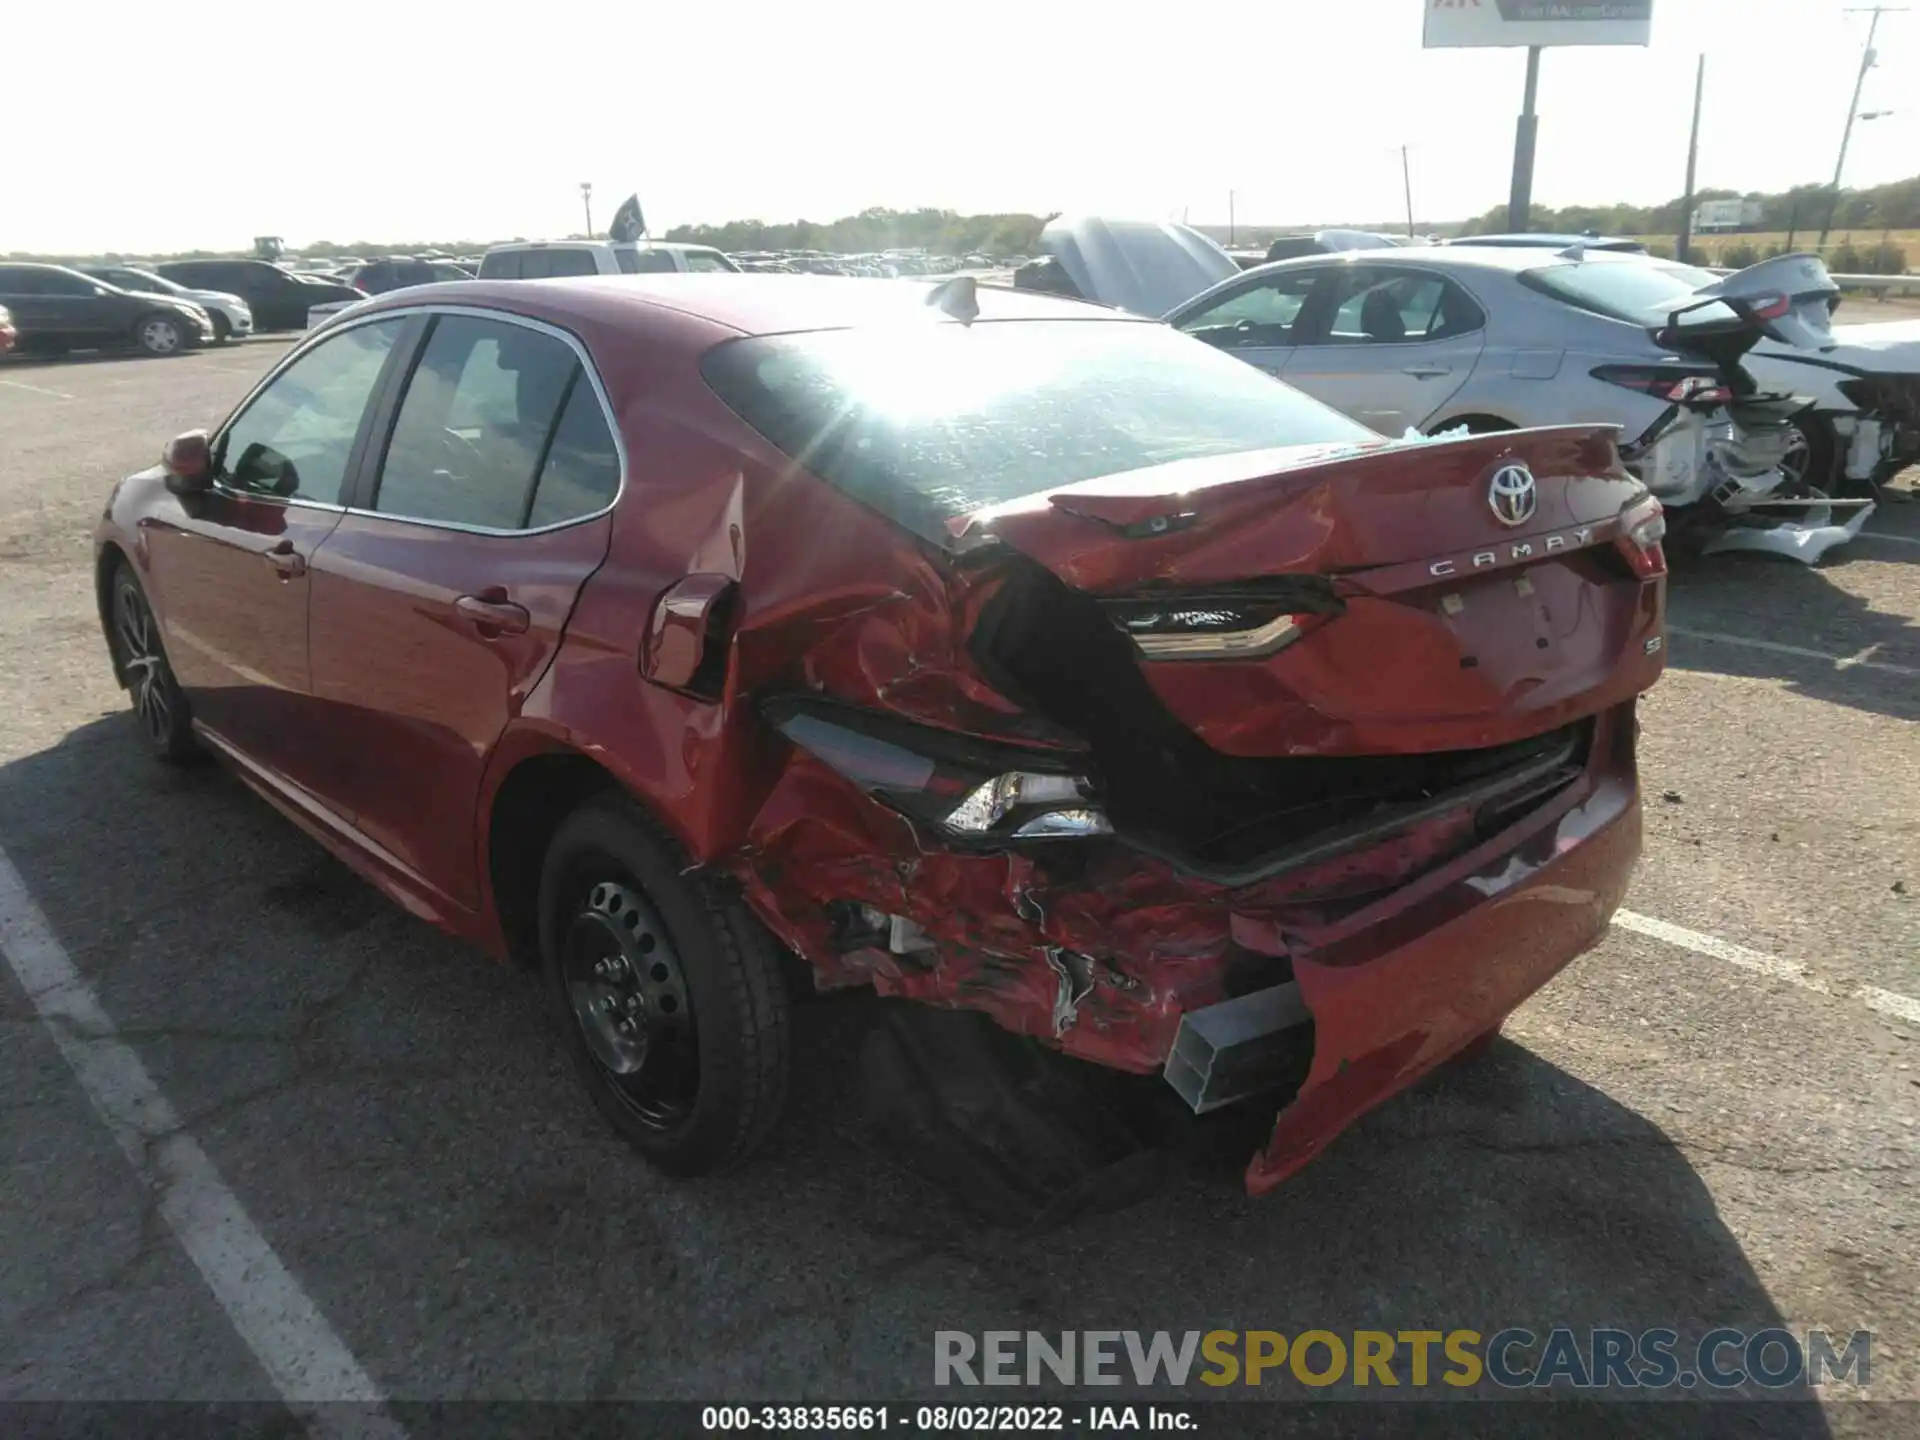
(1713, 1119)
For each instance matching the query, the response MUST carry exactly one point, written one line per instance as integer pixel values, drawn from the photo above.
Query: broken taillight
(1642, 529)
(1224, 626)
(969, 789)
(1674, 384)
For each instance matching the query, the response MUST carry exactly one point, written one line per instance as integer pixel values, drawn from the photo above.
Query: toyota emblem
(1513, 495)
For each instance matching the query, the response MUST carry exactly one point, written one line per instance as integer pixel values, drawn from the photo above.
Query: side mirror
(189, 463)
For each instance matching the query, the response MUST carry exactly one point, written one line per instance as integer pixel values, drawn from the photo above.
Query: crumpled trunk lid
(1456, 629)
(1316, 510)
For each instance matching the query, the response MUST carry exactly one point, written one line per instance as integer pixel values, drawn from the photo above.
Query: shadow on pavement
(1781, 603)
(400, 1122)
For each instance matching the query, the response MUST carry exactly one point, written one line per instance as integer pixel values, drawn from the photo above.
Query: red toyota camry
(990, 649)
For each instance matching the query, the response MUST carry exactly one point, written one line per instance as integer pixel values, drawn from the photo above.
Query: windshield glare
(926, 421)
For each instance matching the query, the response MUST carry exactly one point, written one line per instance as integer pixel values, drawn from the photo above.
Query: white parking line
(1839, 662)
(287, 1334)
(22, 385)
(1887, 1002)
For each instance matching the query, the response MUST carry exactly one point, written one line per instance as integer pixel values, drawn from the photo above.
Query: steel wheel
(158, 335)
(628, 991)
(670, 992)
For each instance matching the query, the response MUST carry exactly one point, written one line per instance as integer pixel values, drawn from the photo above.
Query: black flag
(628, 224)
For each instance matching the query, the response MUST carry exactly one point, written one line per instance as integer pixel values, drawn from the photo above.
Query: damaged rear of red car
(1056, 667)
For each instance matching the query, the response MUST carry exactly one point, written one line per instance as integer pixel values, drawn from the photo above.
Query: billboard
(1457, 23)
(1728, 214)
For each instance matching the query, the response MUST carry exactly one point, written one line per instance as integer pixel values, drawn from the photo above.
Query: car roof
(747, 304)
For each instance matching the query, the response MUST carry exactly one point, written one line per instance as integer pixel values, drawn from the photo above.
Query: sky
(417, 121)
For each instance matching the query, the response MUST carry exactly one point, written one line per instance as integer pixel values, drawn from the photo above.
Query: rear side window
(488, 405)
(925, 422)
(582, 471)
(504, 266)
(571, 262)
(643, 262)
(19, 281)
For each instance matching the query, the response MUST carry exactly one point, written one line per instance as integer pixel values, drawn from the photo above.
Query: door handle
(1427, 372)
(492, 614)
(288, 561)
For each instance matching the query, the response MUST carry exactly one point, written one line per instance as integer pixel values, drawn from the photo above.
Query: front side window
(474, 424)
(711, 261)
(505, 266)
(1259, 317)
(295, 437)
(140, 283)
(927, 422)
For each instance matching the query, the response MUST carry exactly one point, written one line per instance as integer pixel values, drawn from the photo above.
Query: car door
(90, 312)
(440, 598)
(1390, 347)
(227, 570)
(35, 313)
(1257, 319)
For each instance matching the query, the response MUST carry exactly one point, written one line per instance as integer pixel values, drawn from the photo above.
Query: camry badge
(1513, 495)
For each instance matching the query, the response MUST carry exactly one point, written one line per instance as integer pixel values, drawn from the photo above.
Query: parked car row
(55, 309)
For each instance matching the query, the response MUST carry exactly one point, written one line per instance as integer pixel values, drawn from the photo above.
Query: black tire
(1474, 425)
(1478, 1048)
(222, 331)
(140, 660)
(668, 991)
(1813, 461)
(158, 334)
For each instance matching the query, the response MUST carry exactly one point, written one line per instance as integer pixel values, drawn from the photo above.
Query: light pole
(1693, 157)
(586, 199)
(1868, 59)
(1406, 183)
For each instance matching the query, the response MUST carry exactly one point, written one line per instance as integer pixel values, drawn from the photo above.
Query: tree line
(1801, 211)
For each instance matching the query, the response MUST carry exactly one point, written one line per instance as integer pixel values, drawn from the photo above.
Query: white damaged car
(1707, 377)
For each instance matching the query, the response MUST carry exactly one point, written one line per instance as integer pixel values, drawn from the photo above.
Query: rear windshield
(1626, 289)
(927, 420)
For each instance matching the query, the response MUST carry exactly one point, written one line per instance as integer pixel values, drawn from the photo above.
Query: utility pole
(1867, 59)
(1230, 217)
(1406, 181)
(586, 198)
(1520, 200)
(1693, 158)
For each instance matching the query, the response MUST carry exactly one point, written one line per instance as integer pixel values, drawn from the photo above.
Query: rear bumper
(1392, 1001)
